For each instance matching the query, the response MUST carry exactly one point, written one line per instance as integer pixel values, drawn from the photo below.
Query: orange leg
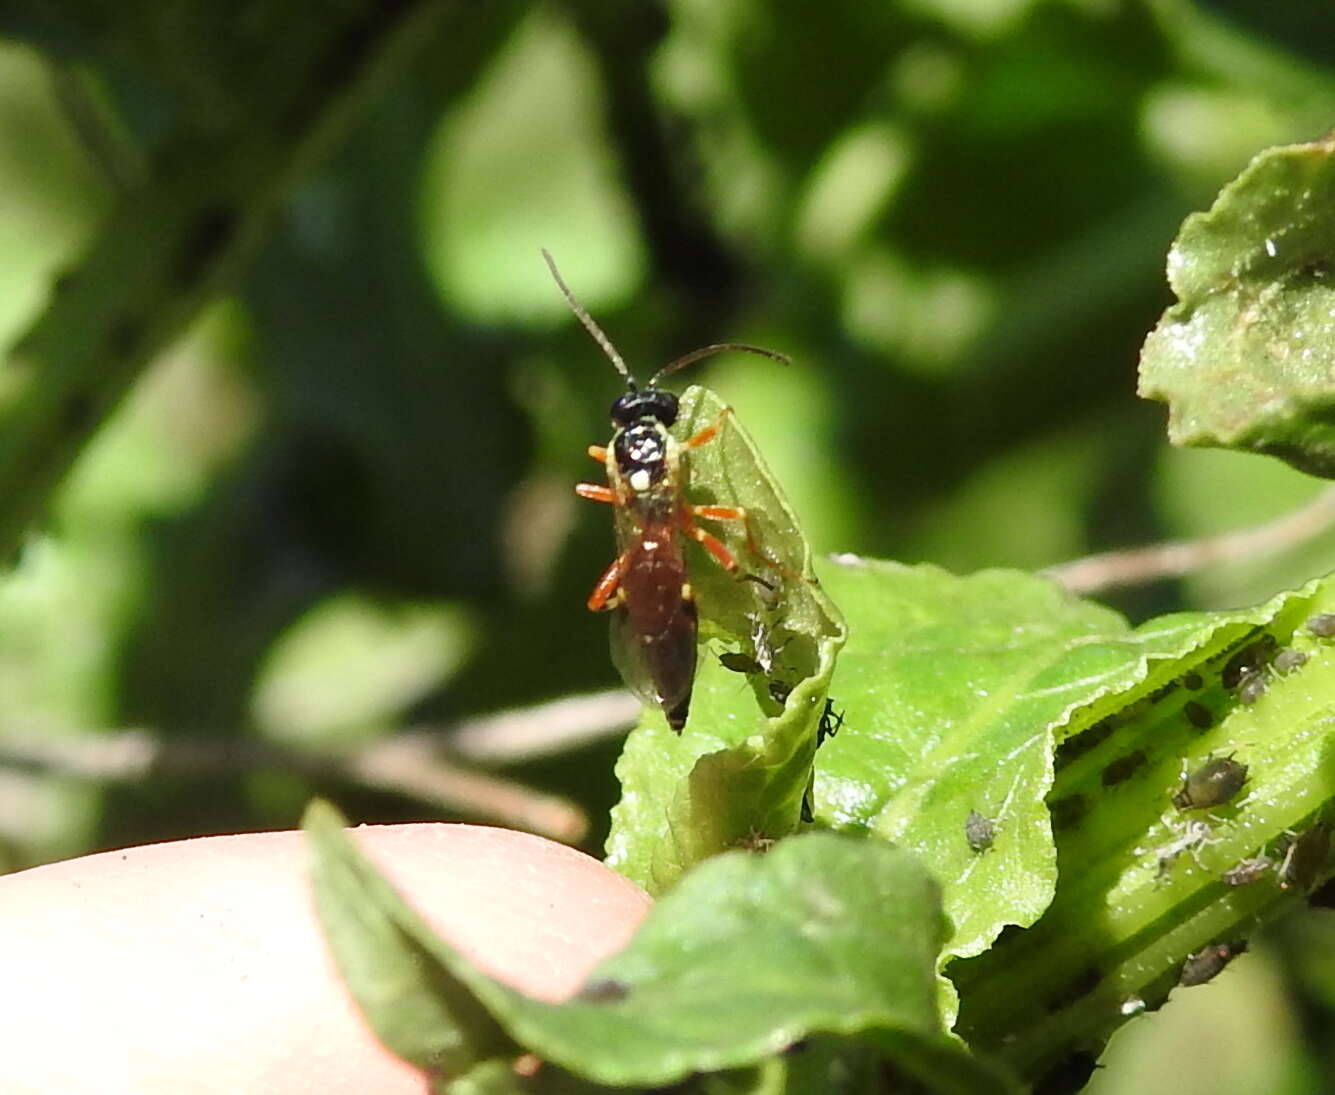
(720, 513)
(709, 432)
(609, 583)
(598, 453)
(595, 493)
(725, 513)
(712, 545)
(737, 513)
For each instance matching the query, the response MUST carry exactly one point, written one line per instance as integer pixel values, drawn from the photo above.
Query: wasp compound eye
(653, 403)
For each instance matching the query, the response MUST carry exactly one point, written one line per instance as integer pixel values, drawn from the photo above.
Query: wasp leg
(598, 453)
(595, 493)
(730, 513)
(712, 545)
(720, 513)
(608, 584)
(738, 513)
(709, 432)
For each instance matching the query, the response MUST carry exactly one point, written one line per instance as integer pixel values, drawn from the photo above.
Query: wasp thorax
(653, 403)
(641, 452)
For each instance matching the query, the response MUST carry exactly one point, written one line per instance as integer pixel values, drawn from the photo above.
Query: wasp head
(651, 403)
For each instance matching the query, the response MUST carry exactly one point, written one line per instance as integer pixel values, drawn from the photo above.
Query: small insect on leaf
(1214, 783)
(1248, 661)
(1322, 625)
(1288, 659)
(1247, 871)
(979, 831)
(1207, 963)
(647, 587)
(1252, 686)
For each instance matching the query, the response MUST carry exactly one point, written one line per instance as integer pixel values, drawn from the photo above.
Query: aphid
(1288, 660)
(1207, 962)
(1247, 661)
(1304, 857)
(1252, 687)
(1197, 714)
(1212, 784)
(979, 831)
(1322, 625)
(1123, 768)
(647, 587)
(1247, 871)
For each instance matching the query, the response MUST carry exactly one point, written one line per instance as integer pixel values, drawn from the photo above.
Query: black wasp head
(653, 403)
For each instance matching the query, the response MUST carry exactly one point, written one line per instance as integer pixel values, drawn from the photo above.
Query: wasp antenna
(709, 351)
(587, 320)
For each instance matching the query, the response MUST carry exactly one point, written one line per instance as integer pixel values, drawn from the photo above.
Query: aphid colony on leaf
(647, 587)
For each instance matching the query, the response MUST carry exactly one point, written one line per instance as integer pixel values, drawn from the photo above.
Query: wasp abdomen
(654, 628)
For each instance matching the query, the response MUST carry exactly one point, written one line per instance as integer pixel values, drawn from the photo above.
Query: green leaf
(1245, 359)
(738, 772)
(1140, 879)
(952, 690)
(383, 950)
(746, 959)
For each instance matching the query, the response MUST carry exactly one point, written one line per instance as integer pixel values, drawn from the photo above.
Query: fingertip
(199, 965)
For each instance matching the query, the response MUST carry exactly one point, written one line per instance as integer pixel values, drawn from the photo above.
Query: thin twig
(530, 733)
(1175, 558)
(414, 767)
(421, 763)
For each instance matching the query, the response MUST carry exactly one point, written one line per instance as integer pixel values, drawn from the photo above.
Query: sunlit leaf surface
(1245, 359)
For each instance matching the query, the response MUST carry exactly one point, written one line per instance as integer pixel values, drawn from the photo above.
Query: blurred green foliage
(340, 504)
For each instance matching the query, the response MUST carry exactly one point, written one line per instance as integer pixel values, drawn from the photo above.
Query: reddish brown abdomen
(654, 627)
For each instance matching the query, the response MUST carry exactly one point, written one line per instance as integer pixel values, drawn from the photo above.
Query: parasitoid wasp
(647, 587)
